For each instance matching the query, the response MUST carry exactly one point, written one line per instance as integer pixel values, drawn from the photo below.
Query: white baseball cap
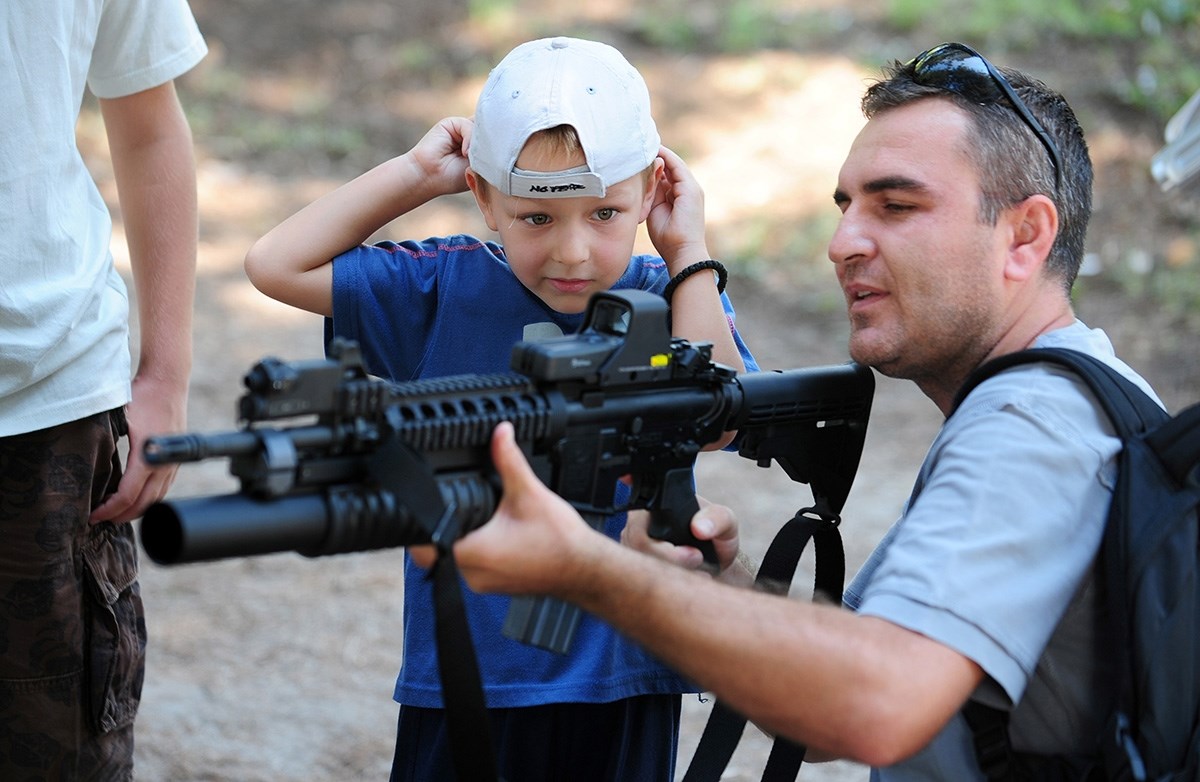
(563, 81)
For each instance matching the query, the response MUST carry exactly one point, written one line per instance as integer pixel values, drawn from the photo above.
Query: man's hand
(534, 536)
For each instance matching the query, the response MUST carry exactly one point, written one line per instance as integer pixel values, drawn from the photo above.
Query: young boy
(564, 160)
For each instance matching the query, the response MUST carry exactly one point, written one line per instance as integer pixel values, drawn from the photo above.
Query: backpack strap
(1178, 447)
(993, 750)
(1130, 409)
(1132, 413)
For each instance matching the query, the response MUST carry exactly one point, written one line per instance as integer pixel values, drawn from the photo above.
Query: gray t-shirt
(993, 556)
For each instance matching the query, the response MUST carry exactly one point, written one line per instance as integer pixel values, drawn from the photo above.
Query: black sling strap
(467, 723)
(725, 726)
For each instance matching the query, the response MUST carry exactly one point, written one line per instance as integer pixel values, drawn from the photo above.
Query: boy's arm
(292, 262)
(676, 226)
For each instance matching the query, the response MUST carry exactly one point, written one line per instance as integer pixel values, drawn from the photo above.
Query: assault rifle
(372, 464)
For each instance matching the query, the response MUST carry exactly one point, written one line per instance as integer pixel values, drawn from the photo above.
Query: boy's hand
(676, 220)
(711, 522)
(442, 154)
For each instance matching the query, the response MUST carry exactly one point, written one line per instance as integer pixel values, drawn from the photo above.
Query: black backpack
(1148, 570)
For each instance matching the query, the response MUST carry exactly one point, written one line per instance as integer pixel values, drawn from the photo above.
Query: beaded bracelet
(716, 266)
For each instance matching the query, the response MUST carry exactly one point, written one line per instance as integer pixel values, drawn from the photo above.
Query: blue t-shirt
(450, 306)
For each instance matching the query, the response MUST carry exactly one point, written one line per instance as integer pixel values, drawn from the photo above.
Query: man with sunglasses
(965, 201)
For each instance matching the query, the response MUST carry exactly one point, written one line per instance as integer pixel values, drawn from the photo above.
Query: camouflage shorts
(72, 630)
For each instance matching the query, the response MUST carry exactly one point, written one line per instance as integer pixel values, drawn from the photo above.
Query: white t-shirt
(64, 310)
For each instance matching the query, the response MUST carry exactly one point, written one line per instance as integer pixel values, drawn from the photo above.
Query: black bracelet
(717, 266)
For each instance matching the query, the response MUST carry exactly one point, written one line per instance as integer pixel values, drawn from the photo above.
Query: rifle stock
(389, 464)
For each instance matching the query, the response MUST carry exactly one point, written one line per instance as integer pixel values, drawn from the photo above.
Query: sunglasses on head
(960, 69)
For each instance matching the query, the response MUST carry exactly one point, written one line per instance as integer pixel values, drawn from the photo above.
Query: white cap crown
(563, 81)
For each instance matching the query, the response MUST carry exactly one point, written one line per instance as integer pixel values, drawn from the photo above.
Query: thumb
(509, 461)
(525, 496)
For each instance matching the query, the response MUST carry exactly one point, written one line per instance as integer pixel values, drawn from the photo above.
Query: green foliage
(1156, 41)
(484, 10)
(1178, 290)
(746, 26)
(229, 124)
(1004, 19)
(1175, 280)
(787, 252)
(1166, 76)
(736, 26)
(669, 25)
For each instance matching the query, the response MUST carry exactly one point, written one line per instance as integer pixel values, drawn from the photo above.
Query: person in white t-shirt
(72, 631)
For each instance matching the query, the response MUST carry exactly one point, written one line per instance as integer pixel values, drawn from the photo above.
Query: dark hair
(1012, 163)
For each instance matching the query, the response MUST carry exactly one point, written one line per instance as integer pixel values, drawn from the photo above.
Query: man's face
(566, 249)
(921, 274)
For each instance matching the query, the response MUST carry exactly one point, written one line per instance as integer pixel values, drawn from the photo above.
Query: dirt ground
(280, 668)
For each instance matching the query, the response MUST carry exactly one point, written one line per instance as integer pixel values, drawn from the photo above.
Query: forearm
(697, 313)
(154, 167)
(151, 149)
(676, 227)
(847, 685)
(291, 263)
(842, 684)
(349, 215)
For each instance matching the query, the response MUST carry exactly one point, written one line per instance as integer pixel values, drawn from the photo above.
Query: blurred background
(280, 668)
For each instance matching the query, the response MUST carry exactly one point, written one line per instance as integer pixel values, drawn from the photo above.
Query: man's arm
(154, 165)
(292, 262)
(845, 685)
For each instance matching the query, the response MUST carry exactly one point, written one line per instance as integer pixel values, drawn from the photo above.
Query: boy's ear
(1034, 227)
(479, 189)
(653, 181)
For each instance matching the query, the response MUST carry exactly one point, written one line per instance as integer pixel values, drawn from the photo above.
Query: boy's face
(565, 249)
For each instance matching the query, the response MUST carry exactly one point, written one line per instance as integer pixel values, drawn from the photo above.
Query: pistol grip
(671, 516)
